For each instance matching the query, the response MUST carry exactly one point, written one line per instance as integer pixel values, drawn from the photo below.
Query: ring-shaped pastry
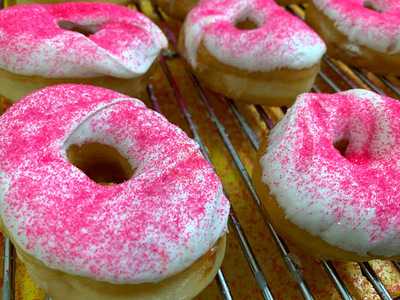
(328, 175)
(93, 43)
(251, 50)
(154, 232)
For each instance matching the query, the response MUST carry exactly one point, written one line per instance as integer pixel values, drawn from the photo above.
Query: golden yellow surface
(176, 8)
(235, 267)
(102, 163)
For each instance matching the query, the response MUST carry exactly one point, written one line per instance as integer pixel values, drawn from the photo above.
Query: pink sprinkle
(155, 224)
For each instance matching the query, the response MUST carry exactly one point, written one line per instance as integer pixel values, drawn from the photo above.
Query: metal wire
(391, 86)
(340, 286)
(7, 291)
(328, 266)
(343, 77)
(292, 267)
(221, 281)
(252, 137)
(397, 265)
(264, 116)
(244, 125)
(246, 177)
(329, 81)
(223, 284)
(251, 259)
(368, 82)
(369, 273)
(365, 267)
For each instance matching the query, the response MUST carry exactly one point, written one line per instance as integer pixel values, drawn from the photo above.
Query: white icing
(114, 50)
(4, 185)
(154, 225)
(281, 41)
(310, 189)
(378, 31)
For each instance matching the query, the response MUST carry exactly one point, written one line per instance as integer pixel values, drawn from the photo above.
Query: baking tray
(258, 263)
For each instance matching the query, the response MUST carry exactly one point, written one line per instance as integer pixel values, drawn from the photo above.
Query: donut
(251, 50)
(328, 175)
(177, 9)
(364, 34)
(105, 199)
(98, 43)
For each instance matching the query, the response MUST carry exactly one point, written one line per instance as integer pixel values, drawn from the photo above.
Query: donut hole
(341, 146)
(86, 30)
(369, 5)
(102, 163)
(246, 23)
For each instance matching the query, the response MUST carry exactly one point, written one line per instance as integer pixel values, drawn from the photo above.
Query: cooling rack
(258, 263)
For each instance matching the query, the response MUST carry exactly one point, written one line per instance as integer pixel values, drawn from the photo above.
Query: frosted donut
(251, 50)
(159, 233)
(43, 45)
(328, 175)
(361, 33)
(176, 8)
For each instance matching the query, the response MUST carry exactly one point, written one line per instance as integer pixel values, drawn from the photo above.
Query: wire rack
(258, 264)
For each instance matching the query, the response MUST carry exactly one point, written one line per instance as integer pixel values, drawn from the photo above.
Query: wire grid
(334, 77)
